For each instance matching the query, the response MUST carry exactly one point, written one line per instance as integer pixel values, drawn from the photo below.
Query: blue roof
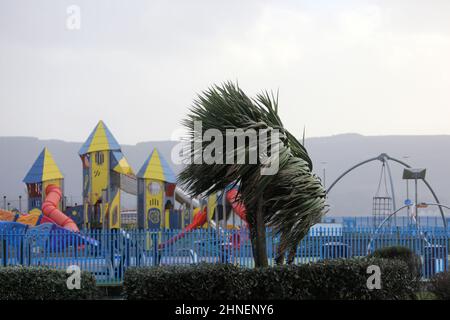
(36, 172)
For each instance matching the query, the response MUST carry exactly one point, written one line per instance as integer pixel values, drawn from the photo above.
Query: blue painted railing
(400, 221)
(107, 254)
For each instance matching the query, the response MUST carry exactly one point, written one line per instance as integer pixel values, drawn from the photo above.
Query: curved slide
(200, 218)
(238, 207)
(51, 211)
(198, 221)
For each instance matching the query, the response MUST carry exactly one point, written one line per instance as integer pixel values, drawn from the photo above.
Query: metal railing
(107, 254)
(399, 221)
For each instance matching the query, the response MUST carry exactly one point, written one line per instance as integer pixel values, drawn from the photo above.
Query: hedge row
(330, 279)
(440, 285)
(38, 283)
(402, 253)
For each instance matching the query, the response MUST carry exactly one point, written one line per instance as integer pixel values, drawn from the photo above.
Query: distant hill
(352, 196)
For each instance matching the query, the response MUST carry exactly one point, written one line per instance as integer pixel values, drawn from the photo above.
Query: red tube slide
(199, 220)
(50, 209)
(237, 206)
(201, 217)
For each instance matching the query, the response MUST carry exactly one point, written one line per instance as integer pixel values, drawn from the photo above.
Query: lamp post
(408, 213)
(4, 202)
(415, 174)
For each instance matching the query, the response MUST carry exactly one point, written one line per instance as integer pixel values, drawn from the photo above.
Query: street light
(408, 213)
(414, 174)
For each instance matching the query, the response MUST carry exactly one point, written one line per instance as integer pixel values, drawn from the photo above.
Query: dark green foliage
(197, 282)
(330, 279)
(37, 283)
(440, 285)
(402, 253)
(293, 198)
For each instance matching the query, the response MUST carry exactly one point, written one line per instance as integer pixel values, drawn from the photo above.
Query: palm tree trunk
(291, 255)
(259, 237)
(281, 252)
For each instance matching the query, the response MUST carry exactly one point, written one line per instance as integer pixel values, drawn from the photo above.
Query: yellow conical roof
(43, 169)
(156, 167)
(99, 140)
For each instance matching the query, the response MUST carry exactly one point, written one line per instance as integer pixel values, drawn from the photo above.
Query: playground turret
(156, 194)
(43, 172)
(104, 165)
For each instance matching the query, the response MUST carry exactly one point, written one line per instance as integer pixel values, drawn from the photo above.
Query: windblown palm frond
(293, 198)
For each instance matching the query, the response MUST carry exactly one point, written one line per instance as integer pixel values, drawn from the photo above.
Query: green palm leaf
(293, 198)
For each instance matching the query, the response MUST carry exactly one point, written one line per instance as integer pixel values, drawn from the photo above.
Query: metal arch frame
(369, 245)
(384, 158)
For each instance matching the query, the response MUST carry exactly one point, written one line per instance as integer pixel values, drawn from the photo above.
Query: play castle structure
(156, 193)
(106, 174)
(103, 165)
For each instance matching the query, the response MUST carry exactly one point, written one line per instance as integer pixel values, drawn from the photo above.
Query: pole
(416, 200)
(408, 210)
(4, 202)
(408, 213)
(20, 203)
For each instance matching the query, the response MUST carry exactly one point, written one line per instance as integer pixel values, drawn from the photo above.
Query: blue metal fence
(398, 221)
(107, 254)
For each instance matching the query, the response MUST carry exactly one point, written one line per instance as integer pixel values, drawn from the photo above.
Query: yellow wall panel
(154, 200)
(99, 174)
(114, 212)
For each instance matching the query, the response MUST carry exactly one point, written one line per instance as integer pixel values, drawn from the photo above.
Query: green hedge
(440, 285)
(330, 279)
(402, 253)
(197, 282)
(38, 283)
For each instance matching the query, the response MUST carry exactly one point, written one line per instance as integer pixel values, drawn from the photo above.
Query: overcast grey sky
(371, 67)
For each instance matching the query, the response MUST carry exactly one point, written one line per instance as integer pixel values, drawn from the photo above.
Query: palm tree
(289, 201)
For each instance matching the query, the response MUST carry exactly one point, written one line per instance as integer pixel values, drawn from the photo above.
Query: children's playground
(170, 227)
